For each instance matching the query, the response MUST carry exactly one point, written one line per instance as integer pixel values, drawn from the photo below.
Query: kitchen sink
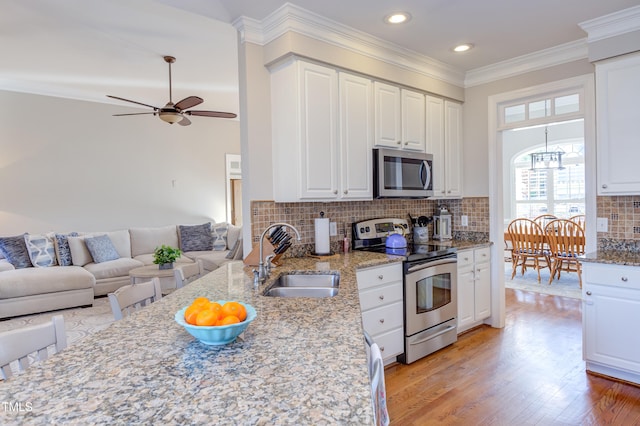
(304, 285)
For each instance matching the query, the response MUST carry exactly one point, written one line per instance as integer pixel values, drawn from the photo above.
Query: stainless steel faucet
(263, 272)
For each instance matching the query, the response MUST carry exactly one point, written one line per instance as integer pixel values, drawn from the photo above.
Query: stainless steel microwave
(402, 174)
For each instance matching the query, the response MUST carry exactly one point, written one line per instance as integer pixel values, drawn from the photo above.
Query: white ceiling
(86, 49)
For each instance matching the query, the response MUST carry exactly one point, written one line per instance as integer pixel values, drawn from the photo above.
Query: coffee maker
(442, 224)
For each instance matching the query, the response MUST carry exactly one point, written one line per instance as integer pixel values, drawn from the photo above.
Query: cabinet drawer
(482, 255)
(380, 296)
(372, 277)
(382, 319)
(391, 343)
(465, 257)
(613, 275)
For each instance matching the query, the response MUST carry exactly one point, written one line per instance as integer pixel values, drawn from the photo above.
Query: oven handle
(431, 264)
(439, 333)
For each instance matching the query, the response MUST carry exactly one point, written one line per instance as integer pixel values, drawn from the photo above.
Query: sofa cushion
(234, 233)
(211, 260)
(113, 268)
(80, 255)
(145, 240)
(5, 265)
(235, 252)
(63, 252)
(219, 233)
(195, 237)
(101, 248)
(41, 250)
(121, 241)
(15, 251)
(28, 282)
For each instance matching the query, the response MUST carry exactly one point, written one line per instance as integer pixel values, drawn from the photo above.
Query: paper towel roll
(322, 236)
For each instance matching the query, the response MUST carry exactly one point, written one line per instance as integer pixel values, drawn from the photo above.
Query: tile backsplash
(302, 215)
(623, 214)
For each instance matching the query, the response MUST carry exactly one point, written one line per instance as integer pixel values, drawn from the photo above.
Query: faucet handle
(256, 278)
(267, 262)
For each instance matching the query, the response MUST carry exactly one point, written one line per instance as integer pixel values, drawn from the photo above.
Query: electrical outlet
(333, 229)
(602, 224)
(464, 220)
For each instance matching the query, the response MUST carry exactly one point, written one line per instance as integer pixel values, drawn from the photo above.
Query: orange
(202, 301)
(206, 317)
(235, 309)
(217, 308)
(191, 313)
(229, 319)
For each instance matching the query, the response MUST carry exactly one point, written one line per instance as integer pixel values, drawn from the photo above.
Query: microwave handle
(425, 174)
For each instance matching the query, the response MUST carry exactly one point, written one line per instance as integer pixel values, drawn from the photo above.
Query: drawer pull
(625, 279)
(588, 293)
(380, 277)
(381, 320)
(381, 297)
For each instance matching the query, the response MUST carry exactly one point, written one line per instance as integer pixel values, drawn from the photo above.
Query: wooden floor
(529, 373)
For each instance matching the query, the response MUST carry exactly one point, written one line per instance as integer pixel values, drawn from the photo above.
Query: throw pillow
(41, 250)
(63, 252)
(233, 251)
(15, 251)
(101, 248)
(196, 237)
(220, 236)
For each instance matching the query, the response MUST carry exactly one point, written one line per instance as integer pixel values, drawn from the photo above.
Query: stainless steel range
(430, 285)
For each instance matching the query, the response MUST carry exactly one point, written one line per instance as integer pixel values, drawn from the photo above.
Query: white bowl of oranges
(215, 323)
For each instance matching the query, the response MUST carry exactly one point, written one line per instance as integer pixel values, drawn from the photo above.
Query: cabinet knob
(604, 185)
(399, 142)
(335, 191)
(380, 277)
(381, 297)
(588, 293)
(443, 192)
(381, 348)
(449, 191)
(345, 191)
(381, 320)
(624, 279)
(406, 143)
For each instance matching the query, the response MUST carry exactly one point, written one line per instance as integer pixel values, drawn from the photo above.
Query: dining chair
(566, 242)
(543, 219)
(375, 364)
(528, 246)
(30, 342)
(188, 272)
(129, 298)
(579, 219)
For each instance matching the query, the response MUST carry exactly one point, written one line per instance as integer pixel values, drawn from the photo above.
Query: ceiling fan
(176, 113)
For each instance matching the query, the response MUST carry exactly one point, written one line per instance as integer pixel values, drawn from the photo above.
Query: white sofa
(28, 290)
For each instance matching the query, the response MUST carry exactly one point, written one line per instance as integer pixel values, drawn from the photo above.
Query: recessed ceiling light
(397, 17)
(462, 47)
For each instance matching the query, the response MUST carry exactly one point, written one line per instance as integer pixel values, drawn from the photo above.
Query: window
(564, 105)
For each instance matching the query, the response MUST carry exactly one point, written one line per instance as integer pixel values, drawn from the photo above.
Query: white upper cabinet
(618, 118)
(413, 120)
(388, 124)
(444, 141)
(399, 117)
(356, 134)
(321, 128)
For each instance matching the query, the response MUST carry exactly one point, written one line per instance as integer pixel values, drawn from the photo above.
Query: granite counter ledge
(302, 361)
(613, 257)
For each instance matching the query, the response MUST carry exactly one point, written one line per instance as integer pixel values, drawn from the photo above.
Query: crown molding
(292, 18)
(541, 59)
(612, 25)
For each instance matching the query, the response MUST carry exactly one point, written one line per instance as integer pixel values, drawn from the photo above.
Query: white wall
(69, 165)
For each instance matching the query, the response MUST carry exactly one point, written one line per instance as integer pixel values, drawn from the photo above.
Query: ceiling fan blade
(189, 102)
(184, 122)
(212, 114)
(133, 102)
(135, 113)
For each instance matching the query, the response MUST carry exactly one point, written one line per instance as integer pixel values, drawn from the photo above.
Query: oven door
(430, 294)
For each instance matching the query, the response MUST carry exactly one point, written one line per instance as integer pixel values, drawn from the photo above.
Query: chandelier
(546, 160)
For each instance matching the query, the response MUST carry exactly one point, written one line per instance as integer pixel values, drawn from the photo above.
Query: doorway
(234, 189)
(564, 100)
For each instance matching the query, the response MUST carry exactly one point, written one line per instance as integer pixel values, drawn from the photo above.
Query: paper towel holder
(329, 252)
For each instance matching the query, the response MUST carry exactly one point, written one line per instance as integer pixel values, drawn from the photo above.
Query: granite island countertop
(301, 361)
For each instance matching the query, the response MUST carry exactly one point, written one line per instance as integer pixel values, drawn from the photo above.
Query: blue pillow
(62, 249)
(15, 250)
(101, 248)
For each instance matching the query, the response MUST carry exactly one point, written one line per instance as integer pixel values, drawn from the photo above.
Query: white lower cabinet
(474, 287)
(611, 303)
(381, 301)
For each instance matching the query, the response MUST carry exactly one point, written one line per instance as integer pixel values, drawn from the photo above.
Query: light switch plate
(602, 224)
(464, 220)
(333, 229)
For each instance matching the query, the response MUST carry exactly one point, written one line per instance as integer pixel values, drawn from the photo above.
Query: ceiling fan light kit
(176, 113)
